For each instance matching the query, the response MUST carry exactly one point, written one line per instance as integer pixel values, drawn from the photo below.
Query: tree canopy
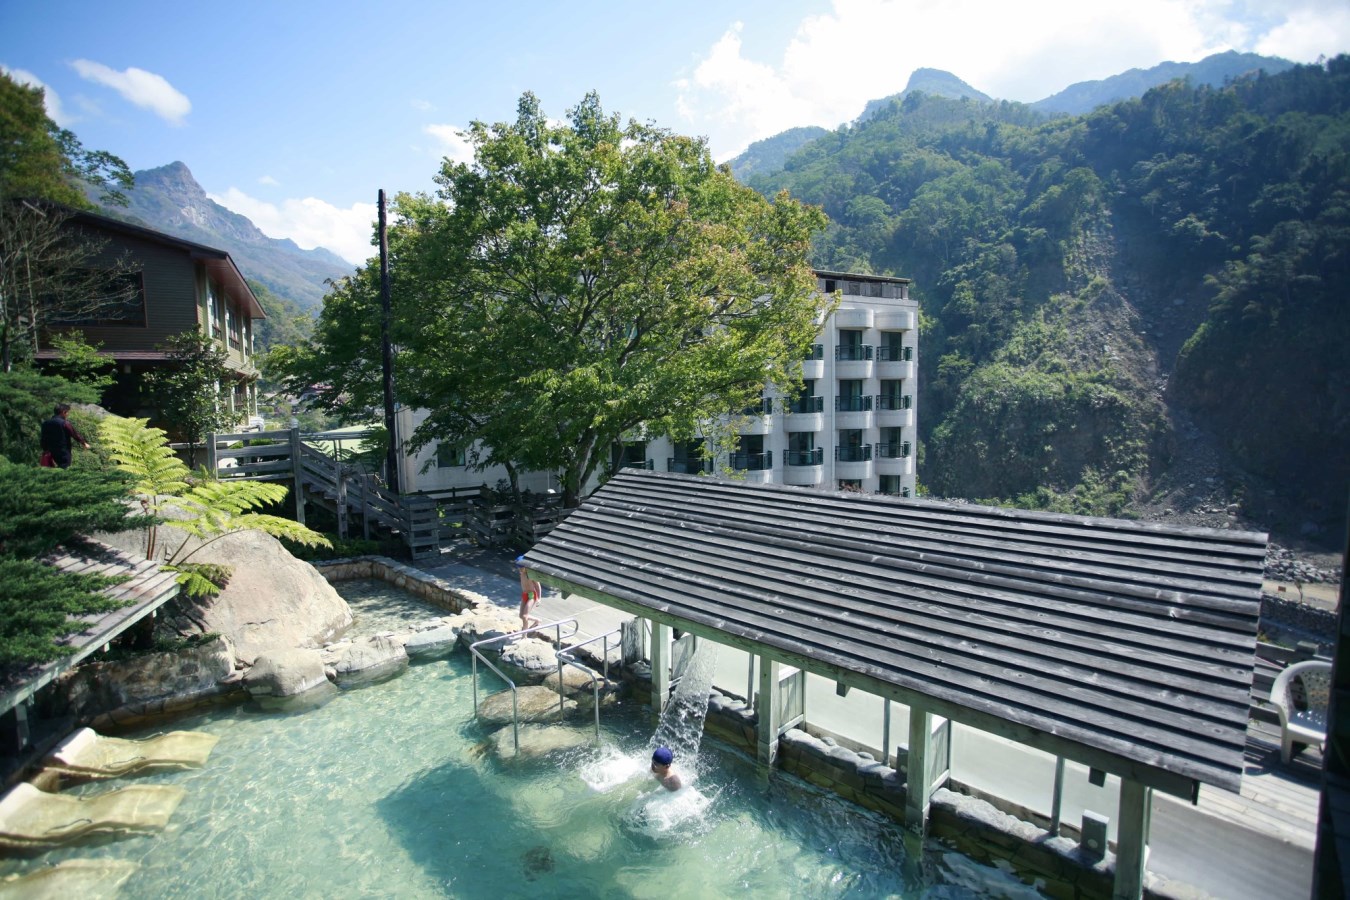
(580, 281)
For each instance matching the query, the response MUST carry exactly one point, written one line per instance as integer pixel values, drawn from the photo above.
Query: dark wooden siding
(170, 294)
(1133, 639)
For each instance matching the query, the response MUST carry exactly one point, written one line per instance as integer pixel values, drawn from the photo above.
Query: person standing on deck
(530, 593)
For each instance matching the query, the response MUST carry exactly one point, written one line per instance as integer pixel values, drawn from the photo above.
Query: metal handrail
(515, 697)
(567, 656)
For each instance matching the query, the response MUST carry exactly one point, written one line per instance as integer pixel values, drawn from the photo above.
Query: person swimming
(662, 758)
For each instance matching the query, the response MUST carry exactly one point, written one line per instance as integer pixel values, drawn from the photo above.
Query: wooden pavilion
(1127, 647)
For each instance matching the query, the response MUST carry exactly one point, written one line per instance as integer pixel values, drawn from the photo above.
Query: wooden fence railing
(314, 476)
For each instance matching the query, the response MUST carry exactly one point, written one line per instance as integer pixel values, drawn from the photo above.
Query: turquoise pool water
(386, 792)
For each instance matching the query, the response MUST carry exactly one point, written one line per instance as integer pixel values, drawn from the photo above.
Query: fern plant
(207, 508)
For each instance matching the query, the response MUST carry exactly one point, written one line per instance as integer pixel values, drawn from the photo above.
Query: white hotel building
(853, 427)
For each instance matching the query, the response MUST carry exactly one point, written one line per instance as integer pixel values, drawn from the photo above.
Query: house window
(448, 457)
(891, 484)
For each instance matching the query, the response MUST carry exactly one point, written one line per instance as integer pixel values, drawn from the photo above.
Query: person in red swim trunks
(530, 593)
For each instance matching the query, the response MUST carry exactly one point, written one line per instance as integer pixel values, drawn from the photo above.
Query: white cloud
(453, 143)
(49, 98)
(310, 222)
(1309, 32)
(144, 89)
(269, 181)
(420, 105)
(866, 49)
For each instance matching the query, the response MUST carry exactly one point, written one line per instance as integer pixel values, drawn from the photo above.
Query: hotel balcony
(813, 366)
(854, 361)
(896, 320)
(853, 462)
(895, 411)
(895, 362)
(853, 412)
(756, 419)
(804, 467)
(894, 459)
(854, 317)
(754, 468)
(805, 414)
(689, 466)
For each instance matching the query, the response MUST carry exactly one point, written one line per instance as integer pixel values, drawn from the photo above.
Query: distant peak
(943, 84)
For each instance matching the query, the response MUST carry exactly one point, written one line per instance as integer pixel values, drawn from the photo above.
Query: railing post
(211, 455)
(298, 475)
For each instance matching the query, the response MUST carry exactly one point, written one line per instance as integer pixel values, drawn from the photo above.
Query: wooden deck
(1275, 798)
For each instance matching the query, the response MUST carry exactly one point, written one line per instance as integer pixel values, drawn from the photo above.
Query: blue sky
(296, 113)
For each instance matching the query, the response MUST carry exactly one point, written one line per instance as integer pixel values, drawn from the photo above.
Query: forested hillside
(1103, 294)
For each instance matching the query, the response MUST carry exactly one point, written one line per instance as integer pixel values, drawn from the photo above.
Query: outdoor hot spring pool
(385, 792)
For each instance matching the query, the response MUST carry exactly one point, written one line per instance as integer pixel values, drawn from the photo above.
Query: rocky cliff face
(170, 200)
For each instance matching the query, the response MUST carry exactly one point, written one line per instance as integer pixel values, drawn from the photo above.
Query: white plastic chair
(1302, 693)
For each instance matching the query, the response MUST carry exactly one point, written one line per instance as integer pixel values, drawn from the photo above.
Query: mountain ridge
(169, 199)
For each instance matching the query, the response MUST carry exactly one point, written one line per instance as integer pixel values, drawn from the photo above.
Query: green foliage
(188, 391)
(1235, 198)
(80, 362)
(43, 508)
(39, 604)
(40, 510)
(343, 548)
(26, 401)
(41, 161)
(572, 283)
(204, 508)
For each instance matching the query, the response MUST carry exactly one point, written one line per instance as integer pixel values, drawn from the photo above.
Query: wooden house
(178, 286)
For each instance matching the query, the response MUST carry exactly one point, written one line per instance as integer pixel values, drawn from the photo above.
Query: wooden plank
(268, 450)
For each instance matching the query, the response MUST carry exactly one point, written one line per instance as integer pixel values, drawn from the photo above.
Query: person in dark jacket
(57, 437)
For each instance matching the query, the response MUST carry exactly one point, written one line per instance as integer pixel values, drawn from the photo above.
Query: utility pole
(387, 352)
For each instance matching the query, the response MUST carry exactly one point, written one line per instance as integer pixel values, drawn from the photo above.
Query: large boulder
(529, 659)
(483, 623)
(145, 684)
(434, 643)
(533, 703)
(285, 672)
(366, 661)
(273, 600)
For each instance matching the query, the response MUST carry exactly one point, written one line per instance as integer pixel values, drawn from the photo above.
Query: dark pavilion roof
(1125, 646)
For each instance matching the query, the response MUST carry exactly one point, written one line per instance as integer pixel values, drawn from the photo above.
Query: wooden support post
(660, 668)
(298, 475)
(918, 785)
(767, 710)
(1136, 812)
(365, 510)
(342, 503)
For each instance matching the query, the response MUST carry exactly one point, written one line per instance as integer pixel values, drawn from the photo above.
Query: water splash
(681, 726)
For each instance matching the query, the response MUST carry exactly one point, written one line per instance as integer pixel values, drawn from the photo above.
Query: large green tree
(46, 270)
(582, 280)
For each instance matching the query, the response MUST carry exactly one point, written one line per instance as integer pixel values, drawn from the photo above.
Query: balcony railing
(814, 457)
(758, 461)
(817, 351)
(853, 404)
(807, 405)
(893, 450)
(688, 466)
(888, 353)
(854, 352)
(862, 453)
(638, 464)
(763, 408)
(894, 401)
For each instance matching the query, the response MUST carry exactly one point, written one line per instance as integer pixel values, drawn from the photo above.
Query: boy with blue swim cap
(661, 771)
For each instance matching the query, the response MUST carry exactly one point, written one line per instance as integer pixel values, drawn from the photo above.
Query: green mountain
(934, 83)
(769, 154)
(1214, 71)
(1137, 306)
(170, 200)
